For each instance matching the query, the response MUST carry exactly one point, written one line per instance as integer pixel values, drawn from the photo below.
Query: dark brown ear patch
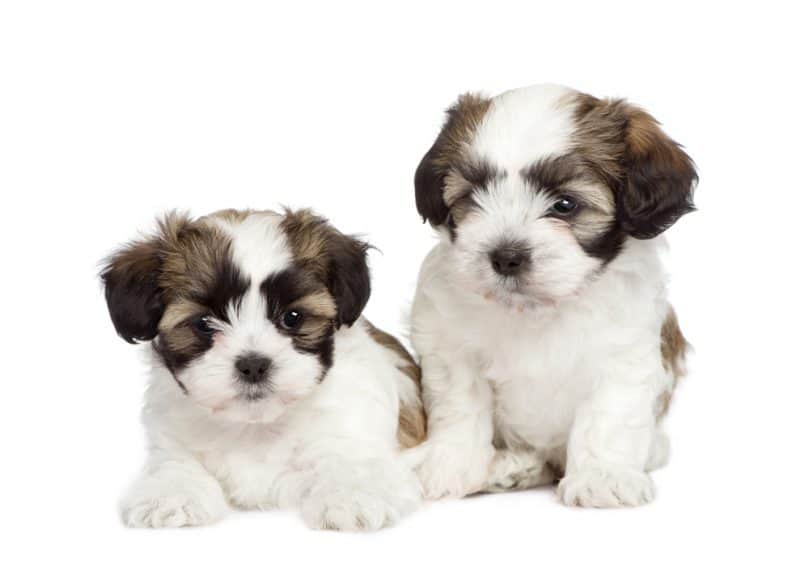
(132, 280)
(448, 151)
(652, 178)
(337, 260)
(660, 178)
(131, 288)
(184, 259)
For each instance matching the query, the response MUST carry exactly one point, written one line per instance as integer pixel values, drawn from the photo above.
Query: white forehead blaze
(524, 125)
(259, 246)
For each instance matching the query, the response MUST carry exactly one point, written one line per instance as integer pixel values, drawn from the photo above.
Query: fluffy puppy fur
(268, 389)
(547, 345)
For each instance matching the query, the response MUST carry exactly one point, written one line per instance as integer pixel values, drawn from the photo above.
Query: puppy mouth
(516, 292)
(255, 393)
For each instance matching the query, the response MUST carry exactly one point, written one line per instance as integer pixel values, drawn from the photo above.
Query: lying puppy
(268, 389)
(541, 318)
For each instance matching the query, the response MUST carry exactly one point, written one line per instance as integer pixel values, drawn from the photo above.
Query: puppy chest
(535, 402)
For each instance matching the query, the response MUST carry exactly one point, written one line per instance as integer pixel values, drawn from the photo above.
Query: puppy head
(241, 306)
(539, 188)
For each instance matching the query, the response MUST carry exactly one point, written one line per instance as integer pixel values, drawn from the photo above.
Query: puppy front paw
(352, 511)
(598, 487)
(451, 470)
(149, 506)
(361, 505)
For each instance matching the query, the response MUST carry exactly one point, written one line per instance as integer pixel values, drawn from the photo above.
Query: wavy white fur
(557, 372)
(328, 448)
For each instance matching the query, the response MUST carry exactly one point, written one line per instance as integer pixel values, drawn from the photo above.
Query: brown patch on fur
(233, 216)
(333, 258)
(440, 175)
(163, 283)
(463, 120)
(176, 336)
(650, 175)
(570, 175)
(193, 253)
(308, 236)
(673, 348)
(412, 419)
(599, 137)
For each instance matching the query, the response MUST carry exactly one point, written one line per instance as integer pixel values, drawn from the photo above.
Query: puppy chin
(264, 410)
(511, 295)
(240, 404)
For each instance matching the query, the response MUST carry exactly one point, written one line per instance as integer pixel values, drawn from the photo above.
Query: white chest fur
(543, 363)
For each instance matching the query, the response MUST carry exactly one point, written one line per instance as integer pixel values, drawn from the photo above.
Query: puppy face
(241, 306)
(537, 189)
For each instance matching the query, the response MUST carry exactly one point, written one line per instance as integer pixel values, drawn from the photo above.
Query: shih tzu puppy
(547, 344)
(268, 389)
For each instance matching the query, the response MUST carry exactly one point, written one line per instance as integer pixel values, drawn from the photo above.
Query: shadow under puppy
(267, 389)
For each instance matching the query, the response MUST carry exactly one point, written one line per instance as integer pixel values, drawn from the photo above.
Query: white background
(111, 112)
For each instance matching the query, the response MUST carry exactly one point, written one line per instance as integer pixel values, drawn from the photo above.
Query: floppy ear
(429, 183)
(453, 140)
(660, 178)
(337, 259)
(131, 278)
(349, 279)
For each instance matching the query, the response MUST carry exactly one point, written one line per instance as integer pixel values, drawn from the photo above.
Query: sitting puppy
(548, 348)
(268, 389)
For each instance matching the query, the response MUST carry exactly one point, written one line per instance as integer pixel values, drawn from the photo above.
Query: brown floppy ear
(450, 146)
(349, 279)
(337, 259)
(660, 178)
(131, 278)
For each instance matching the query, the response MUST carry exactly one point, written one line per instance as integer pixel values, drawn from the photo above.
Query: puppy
(548, 348)
(267, 389)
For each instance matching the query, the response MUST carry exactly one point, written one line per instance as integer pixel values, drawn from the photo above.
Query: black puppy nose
(509, 260)
(253, 368)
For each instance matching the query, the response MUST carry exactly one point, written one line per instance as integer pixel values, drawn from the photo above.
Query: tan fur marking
(231, 215)
(455, 185)
(412, 419)
(308, 236)
(452, 145)
(320, 311)
(178, 311)
(456, 137)
(191, 253)
(673, 348)
(611, 133)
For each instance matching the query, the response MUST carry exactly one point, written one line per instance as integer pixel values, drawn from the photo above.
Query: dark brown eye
(565, 206)
(291, 319)
(203, 325)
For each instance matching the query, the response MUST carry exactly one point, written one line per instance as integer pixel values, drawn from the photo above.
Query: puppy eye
(203, 325)
(565, 206)
(291, 319)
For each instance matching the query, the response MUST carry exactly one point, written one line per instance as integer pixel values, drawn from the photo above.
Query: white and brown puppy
(268, 389)
(541, 318)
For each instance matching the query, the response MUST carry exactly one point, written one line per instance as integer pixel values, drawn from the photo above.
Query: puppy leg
(659, 454)
(173, 492)
(455, 459)
(609, 449)
(358, 493)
